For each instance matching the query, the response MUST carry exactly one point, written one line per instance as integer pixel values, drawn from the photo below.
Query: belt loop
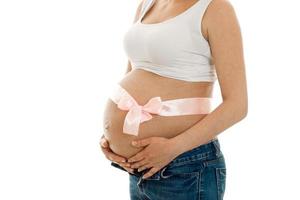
(217, 147)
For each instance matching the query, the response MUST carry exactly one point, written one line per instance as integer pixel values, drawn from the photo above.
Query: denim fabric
(196, 174)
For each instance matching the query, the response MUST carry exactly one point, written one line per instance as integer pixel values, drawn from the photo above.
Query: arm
(226, 45)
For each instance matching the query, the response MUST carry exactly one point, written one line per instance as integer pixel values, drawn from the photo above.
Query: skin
(221, 28)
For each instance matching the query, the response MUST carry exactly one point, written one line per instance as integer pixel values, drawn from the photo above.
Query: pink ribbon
(139, 113)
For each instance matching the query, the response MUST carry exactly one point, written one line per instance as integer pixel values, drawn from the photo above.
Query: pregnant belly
(142, 86)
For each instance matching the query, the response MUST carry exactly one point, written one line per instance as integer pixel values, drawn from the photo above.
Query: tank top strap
(197, 10)
(194, 17)
(200, 8)
(146, 5)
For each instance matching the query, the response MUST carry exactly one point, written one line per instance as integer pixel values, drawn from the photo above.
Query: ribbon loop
(136, 113)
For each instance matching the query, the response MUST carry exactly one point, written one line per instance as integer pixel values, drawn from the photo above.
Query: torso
(143, 85)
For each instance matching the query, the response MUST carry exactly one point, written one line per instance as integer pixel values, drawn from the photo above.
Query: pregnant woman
(176, 50)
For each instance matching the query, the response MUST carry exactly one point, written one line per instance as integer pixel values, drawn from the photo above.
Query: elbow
(238, 108)
(243, 110)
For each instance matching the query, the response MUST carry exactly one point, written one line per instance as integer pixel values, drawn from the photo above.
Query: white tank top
(174, 48)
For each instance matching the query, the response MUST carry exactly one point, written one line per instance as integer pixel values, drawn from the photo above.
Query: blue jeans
(196, 174)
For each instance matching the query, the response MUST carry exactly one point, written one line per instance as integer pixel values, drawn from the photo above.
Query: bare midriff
(142, 85)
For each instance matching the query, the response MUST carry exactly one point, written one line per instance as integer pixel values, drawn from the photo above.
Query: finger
(144, 167)
(137, 157)
(124, 164)
(139, 163)
(104, 142)
(112, 156)
(126, 167)
(129, 170)
(152, 171)
(142, 142)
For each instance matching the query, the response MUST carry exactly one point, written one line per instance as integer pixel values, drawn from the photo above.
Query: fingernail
(134, 142)
(104, 144)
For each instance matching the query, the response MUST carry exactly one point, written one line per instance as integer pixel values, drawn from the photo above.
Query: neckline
(185, 12)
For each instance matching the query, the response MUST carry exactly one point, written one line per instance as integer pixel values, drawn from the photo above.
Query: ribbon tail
(132, 121)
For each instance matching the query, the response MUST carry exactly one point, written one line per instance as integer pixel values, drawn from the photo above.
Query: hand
(110, 155)
(158, 152)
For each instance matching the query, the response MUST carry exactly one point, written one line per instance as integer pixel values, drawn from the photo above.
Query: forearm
(221, 118)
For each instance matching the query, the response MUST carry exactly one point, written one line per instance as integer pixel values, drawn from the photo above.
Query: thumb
(141, 143)
(104, 142)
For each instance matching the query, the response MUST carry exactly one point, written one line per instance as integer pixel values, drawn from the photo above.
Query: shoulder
(221, 3)
(220, 18)
(221, 6)
(220, 11)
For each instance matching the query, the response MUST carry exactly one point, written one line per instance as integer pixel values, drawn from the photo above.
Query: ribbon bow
(137, 113)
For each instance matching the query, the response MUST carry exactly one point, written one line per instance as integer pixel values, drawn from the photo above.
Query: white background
(60, 58)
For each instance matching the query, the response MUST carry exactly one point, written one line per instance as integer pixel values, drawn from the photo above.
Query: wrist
(176, 146)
